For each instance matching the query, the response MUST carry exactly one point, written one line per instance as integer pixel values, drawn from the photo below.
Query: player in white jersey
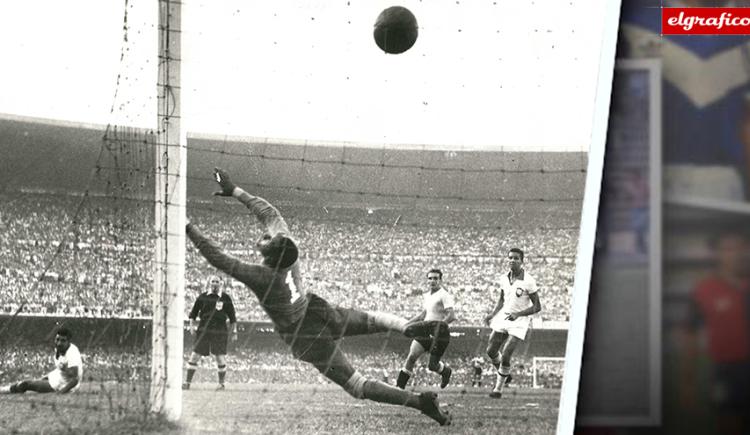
(510, 321)
(64, 378)
(434, 337)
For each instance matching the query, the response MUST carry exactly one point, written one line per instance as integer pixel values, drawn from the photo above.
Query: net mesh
(81, 258)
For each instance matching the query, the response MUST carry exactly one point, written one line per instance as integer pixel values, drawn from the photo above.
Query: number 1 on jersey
(292, 287)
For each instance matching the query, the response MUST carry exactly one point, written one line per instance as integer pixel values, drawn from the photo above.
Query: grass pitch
(276, 409)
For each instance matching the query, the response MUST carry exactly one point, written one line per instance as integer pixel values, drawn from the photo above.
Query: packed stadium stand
(76, 231)
(104, 272)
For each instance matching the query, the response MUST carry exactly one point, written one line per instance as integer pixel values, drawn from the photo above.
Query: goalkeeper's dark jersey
(275, 289)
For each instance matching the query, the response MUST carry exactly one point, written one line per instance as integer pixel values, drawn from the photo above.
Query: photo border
(653, 68)
(587, 234)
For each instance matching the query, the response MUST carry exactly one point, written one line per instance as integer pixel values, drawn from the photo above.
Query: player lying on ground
(306, 322)
(509, 320)
(434, 338)
(64, 378)
(214, 308)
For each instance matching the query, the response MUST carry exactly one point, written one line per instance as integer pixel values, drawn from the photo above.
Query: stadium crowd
(91, 257)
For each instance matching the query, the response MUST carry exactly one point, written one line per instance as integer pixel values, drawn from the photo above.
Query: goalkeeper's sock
(384, 322)
(383, 393)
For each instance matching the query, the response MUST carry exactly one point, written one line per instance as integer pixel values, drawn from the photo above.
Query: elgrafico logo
(705, 21)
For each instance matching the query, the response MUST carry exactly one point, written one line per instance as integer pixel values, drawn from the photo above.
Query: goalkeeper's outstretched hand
(227, 187)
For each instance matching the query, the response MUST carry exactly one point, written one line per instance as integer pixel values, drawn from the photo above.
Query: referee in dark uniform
(214, 308)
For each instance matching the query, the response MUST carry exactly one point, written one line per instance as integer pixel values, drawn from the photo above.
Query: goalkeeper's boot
(428, 402)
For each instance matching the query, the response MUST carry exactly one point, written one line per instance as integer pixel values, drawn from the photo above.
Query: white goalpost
(540, 363)
(170, 201)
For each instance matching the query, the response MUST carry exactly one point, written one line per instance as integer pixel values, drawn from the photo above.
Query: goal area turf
(277, 409)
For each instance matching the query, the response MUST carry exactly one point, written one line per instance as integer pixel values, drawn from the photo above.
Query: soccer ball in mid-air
(395, 30)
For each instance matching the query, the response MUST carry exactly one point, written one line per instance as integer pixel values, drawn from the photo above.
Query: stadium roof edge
(298, 142)
(49, 121)
(374, 145)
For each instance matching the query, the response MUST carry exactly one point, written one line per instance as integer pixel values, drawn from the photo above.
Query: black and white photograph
(299, 217)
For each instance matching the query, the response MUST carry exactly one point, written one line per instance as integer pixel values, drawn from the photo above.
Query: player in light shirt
(510, 319)
(64, 378)
(437, 313)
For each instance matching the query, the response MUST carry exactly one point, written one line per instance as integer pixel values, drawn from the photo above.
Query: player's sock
(504, 371)
(362, 388)
(191, 371)
(445, 374)
(5, 389)
(403, 378)
(496, 362)
(383, 322)
(502, 377)
(222, 370)
(383, 393)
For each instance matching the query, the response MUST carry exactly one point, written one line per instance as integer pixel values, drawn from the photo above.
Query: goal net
(547, 372)
(77, 237)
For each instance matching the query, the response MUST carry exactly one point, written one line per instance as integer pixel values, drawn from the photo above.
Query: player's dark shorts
(731, 386)
(477, 371)
(433, 336)
(314, 338)
(211, 341)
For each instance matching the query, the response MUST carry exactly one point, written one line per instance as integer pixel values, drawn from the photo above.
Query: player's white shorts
(517, 328)
(57, 382)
